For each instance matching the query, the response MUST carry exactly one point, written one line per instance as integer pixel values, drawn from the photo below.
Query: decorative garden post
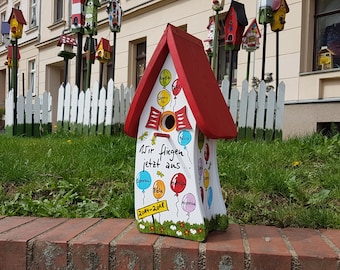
(217, 7)
(104, 51)
(66, 44)
(114, 11)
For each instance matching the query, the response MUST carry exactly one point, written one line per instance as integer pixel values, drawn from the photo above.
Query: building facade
(312, 28)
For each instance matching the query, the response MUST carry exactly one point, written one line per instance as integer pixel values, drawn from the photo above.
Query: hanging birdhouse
(251, 37)
(114, 11)
(66, 44)
(90, 48)
(280, 8)
(10, 56)
(266, 11)
(235, 23)
(104, 50)
(16, 22)
(78, 15)
(325, 58)
(91, 16)
(210, 39)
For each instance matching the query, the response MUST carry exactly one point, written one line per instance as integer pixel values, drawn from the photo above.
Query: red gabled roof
(10, 52)
(18, 15)
(106, 45)
(197, 80)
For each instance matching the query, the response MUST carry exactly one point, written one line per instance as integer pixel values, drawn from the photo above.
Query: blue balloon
(210, 196)
(184, 137)
(143, 180)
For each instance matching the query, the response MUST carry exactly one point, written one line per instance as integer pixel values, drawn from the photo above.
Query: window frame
(32, 73)
(33, 13)
(58, 11)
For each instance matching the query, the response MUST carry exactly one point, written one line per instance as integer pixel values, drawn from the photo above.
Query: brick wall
(48, 243)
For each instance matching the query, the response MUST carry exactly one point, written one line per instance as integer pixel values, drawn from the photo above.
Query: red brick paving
(49, 243)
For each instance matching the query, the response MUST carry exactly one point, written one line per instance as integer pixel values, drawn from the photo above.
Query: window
(17, 5)
(140, 61)
(58, 10)
(3, 19)
(33, 18)
(32, 76)
(327, 35)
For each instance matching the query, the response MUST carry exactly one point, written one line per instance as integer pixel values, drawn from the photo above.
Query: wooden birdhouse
(10, 56)
(91, 16)
(177, 188)
(235, 23)
(325, 58)
(16, 22)
(210, 39)
(266, 11)
(90, 48)
(114, 11)
(104, 50)
(78, 15)
(66, 44)
(251, 37)
(280, 8)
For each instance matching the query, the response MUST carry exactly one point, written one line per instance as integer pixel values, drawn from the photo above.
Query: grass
(282, 183)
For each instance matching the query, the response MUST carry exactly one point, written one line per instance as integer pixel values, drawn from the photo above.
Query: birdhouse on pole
(66, 44)
(104, 50)
(16, 22)
(210, 39)
(91, 16)
(266, 11)
(10, 56)
(235, 23)
(280, 8)
(251, 37)
(78, 15)
(177, 188)
(114, 11)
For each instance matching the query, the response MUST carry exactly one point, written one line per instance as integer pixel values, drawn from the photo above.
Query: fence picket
(36, 117)
(87, 111)
(243, 111)
(251, 115)
(60, 111)
(67, 107)
(20, 129)
(102, 109)
(279, 110)
(80, 116)
(269, 132)
(28, 115)
(74, 108)
(261, 106)
(109, 108)
(45, 106)
(94, 109)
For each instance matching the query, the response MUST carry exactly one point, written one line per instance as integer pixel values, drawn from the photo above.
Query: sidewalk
(81, 243)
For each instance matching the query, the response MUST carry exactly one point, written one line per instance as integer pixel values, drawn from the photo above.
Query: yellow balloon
(163, 98)
(206, 178)
(165, 77)
(158, 189)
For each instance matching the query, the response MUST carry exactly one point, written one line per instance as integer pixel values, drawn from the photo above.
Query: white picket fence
(96, 111)
(257, 113)
(33, 114)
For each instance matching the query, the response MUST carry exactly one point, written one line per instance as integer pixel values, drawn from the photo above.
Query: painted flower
(193, 231)
(179, 233)
(141, 226)
(200, 230)
(186, 232)
(173, 227)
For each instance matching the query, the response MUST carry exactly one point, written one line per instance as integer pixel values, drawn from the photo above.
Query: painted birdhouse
(66, 44)
(280, 8)
(91, 16)
(10, 56)
(78, 15)
(325, 58)
(235, 23)
(114, 11)
(177, 188)
(210, 39)
(266, 11)
(104, 50)
(251, 37)
(90, 48)
(16, 22)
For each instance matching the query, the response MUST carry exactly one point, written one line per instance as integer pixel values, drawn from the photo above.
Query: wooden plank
(87, 111)
(234, 103)
(243, 111)
(279, 110)
(29, 115)
(251, 115)
(116, 110)
(270, 115)
(122, 105)
(45, 128)
(80, 116)
(20, 128)
(94, 109)
(101, 112)
(60, 111)
(67, 107)
(109, 108)
(260, 111)
(74, 109)
(36, 117)
(9, 117)
(225, 91)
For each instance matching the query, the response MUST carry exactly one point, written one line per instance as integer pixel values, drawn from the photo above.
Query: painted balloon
(158, 189)
(178, 183)
(164, 77)
(202, 193)
(163, 98)
(210, 196)
(200, 167)
(143, 180)
(206, 152)
(200, 140)
(189, 203)
(184, 137)
(176, 87)
(206, 181)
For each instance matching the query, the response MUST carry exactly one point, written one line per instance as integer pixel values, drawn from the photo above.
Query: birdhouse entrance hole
(168, 121)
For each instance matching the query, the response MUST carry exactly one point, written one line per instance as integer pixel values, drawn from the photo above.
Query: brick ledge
(84, 243)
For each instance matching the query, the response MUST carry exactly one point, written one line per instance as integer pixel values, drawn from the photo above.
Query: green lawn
(282, 183)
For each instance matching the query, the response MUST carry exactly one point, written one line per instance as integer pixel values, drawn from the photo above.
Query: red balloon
(178, 183)
(206, 152)
(202, 194)
(176, 87)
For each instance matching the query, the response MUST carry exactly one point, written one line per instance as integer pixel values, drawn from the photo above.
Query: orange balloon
(158, 189)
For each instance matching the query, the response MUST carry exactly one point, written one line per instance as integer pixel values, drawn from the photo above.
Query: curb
(94, 243)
